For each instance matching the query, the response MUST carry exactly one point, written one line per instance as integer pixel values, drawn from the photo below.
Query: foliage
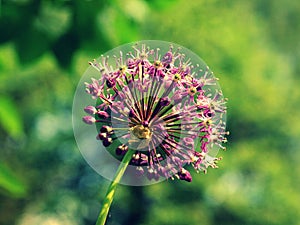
(252, 46)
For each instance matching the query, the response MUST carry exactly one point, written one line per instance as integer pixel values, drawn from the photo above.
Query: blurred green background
(252, 46)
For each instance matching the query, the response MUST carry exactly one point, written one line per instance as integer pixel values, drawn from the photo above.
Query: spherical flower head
(163, 103)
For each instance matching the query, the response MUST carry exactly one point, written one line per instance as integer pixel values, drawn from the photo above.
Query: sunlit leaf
(10, 119)
(11, 183)
(118, 27)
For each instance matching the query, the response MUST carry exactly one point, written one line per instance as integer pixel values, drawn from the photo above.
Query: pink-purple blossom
(164, 107)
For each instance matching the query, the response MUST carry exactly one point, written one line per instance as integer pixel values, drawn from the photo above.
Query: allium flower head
(163, 103)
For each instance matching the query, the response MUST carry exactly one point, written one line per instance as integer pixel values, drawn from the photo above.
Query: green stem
(112, 187)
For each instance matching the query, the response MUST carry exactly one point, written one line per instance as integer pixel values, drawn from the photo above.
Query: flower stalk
(112, 188)
(158, 112)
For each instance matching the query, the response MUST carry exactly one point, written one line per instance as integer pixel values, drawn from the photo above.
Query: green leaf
(11, 183)
(10, 119)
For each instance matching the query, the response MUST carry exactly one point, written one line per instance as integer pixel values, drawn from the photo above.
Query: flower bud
(185, 175)
(110, 83)
(165, 101)
(139, 171)
(168, 57)
(106, 129)
(121, 150)
(107, 141)
(90, 110)
(102, 136)
(89, 119)
(103, 114)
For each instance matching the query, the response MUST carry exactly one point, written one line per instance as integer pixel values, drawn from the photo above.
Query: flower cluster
(169, 111)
